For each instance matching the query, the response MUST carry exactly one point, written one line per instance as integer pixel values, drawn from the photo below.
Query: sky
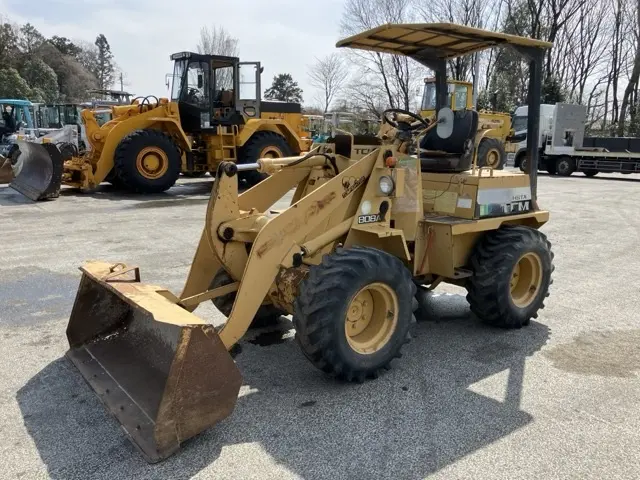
(285, 35)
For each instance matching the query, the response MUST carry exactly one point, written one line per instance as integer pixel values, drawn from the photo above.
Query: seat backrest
(465, 126)
(226, 98)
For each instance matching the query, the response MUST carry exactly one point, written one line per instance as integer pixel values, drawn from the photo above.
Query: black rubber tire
(267, 314)
(322, 303)
(565, 166)
(550, 167)
(250, 153)
(112, 178)
(489, 144)
(125, 164)
(590, 172)
(522, 164)
(67, 151)
(492, 262)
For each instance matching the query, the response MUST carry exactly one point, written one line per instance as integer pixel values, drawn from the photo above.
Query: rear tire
(565, 166)
(512, 269)
(262, 144)
(550, 168)
(266, 316)
(353, 312)
(590, 173)
(147, 161)
(491, 154)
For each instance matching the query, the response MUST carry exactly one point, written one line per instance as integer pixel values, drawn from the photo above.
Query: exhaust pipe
(37, 170)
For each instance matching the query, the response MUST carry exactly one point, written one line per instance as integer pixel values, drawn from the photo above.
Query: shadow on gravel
(422, 415)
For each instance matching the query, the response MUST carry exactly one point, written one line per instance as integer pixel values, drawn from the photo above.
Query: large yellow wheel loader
(215, 114)
(345, 258)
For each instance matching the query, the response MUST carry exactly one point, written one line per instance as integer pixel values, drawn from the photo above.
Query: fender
(271, 125)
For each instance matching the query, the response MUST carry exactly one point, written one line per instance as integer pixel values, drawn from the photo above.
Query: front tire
(266, 316)
(491, 154)
(512, 269)
(353, 312)
(262, 145)
(147, 161)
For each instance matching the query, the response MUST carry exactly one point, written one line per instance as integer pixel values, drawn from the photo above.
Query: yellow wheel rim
(526, 279)
(493, 158)
(152, 162)
(371, 318)
(271, 151)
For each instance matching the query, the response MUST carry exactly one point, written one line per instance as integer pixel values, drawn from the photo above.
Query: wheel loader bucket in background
(160, 370)
(37, 171)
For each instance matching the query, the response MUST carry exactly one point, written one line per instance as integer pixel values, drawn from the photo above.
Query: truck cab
(518, 140)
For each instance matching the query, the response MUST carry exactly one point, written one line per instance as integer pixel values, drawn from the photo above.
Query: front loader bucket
(37, 170)
(160, 370)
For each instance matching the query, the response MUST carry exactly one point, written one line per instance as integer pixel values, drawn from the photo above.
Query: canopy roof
(434, 40)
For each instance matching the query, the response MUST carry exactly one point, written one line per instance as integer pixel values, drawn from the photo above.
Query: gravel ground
(559, 399)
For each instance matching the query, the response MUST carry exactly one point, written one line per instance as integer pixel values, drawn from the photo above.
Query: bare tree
(395, 75)
(217, 41)
(329, 75)
(630, 96)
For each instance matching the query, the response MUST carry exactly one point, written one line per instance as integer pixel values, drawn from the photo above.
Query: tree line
(595, 59)
(56, 69)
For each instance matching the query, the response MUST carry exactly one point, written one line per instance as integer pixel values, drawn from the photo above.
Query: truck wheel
(353, 312)
(147, 161)
(491, 154)
(267, 315)
(262, 145)
(512, 269)
(522, 164)
(551, 167)
(565, 166)
(590, 172)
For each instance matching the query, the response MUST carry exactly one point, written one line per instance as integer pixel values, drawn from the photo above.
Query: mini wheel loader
(345, 258)
(215, 114)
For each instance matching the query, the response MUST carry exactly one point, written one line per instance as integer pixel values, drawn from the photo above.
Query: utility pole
(121, 83)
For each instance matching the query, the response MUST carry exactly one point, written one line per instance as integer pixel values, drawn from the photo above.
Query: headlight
(386, 185)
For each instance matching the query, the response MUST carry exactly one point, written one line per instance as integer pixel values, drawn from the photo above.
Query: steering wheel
(394, 123)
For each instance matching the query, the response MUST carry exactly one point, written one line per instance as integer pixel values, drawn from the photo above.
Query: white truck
(564, 149)
(517, 157)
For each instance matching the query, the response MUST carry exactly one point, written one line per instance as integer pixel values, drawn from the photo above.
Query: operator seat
(226, 98)
(452, 154)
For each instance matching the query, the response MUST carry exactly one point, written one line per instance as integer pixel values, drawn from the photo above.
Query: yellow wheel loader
(215, 114)
(495, 127)
(345, 258)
